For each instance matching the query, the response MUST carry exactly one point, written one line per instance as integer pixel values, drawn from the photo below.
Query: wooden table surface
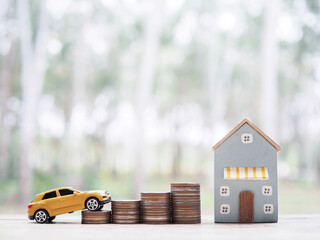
(69, 227)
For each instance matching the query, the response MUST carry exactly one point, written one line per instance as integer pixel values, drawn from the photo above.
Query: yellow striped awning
(246, 173)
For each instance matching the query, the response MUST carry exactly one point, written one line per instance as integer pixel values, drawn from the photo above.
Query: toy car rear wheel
(92, 204)
(51, 219)
(41, 216)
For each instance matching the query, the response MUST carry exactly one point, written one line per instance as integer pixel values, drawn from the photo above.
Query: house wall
(234, 153)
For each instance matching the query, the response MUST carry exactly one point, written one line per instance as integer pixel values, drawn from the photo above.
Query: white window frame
(224, 206)
(271, 208)
(265, 188)
(227, 194)
(244, 136)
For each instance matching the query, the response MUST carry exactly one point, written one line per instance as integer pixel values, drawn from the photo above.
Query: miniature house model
(245, 175)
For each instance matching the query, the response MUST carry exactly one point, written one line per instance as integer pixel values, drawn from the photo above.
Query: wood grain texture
(246, 206)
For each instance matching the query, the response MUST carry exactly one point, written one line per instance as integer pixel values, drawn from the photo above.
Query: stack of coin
(96, 217)
(186, 203)
(125, 211)
(156, 207)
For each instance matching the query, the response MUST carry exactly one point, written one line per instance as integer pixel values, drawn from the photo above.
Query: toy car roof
(54, 189)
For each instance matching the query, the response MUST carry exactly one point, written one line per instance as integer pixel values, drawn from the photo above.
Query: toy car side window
(64, 192)
(48, 195)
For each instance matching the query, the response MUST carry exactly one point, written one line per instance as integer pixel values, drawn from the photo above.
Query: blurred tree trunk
(5, 91)
(219, 73)
(145, 85)
(308, 164)
(223, 79)
(77, 113)
(177, 152)
(201, 171)
(33, 67)
(269, 87)
(77, 110)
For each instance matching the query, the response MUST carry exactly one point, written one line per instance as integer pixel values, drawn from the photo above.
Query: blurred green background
(129, 96)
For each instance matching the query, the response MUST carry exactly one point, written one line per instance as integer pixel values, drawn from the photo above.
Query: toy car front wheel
(41, 216)
(92, 204)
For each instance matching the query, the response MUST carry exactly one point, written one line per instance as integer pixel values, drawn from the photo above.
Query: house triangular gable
(276, 146)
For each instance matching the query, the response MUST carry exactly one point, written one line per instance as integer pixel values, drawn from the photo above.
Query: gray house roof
(276, 146)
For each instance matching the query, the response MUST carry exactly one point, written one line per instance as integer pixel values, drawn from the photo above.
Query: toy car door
(51, 202)
(69, 200)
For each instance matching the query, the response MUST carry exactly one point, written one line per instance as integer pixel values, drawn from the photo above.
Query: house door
(246, 206)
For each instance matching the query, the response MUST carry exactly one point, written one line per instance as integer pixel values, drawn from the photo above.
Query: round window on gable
(246, 138)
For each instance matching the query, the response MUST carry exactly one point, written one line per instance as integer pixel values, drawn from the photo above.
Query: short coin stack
(95, 217)
(126, 211)
(156, 207)
(186, 203)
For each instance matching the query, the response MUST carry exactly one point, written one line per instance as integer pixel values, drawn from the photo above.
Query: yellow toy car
(49, 204)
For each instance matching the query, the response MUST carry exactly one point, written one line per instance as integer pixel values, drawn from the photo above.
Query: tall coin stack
(186, 203)
(156, 207)
(125, 211)
(96, 217)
